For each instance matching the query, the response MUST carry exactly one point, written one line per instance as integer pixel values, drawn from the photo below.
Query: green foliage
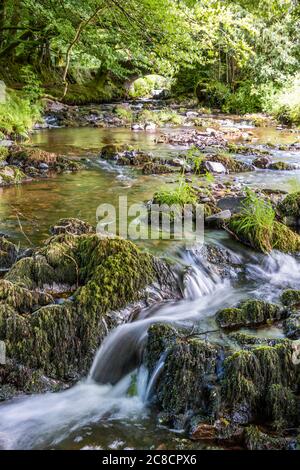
(286, 107)
(18, 114)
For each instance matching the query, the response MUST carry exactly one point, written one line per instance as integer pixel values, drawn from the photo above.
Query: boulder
(250, 313)
(219, 219)
(215, 167)
(8, 253)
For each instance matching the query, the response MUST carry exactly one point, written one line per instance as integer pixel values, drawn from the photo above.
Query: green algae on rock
(8, 253)
(291, 326)
(104, 274)
(250, 313)
(255, 439)
(290, 298)
(289, 208)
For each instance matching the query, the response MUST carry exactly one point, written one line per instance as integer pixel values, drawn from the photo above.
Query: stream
(92, 416)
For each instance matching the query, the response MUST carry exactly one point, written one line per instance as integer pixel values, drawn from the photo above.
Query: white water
(45, 420)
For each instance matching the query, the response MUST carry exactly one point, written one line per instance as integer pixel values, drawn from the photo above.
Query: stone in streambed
(258, 440)
(219, 219)
(290, 298)
(8, 253)
(250, 313)
(291, 326)
(215, 167)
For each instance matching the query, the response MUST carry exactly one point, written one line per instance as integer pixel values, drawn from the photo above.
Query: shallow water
(105, 416)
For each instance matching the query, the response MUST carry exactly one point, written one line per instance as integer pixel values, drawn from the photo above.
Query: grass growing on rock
(256, 226)
(181, 195)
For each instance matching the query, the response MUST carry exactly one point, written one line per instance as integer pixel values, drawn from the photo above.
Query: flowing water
(107, 416)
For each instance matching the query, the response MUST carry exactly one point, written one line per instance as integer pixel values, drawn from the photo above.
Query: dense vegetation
(241, 56)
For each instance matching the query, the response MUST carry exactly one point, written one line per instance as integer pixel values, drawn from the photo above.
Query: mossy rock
(290, 206)
(291, 326)
(111, 151)
(157, 169)
(61, 340)
(278, 237)
(290, 298)
(231, 164)
(250, 313)
(265, 380)
(255, 439)
(248, 341)
(8, 253)
(71, 226)
(280, 166)
(11, 175)
(20, 298)
(188, 381)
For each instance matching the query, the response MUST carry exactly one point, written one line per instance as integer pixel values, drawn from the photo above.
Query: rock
(137, 127)
(280, 237)
(289, 208)
(150, 126)
(218, 220)
(291, 326)
(258, 440)
(8, 253)
(262, 162)
(71, 226)
(250, 313)
(104, 275)
(191, 114)
(204, 432)
(215, 167)
(187, 383)
(232, 203)
(283, 166)
(11, 175)
(43, 166)
(156, 169)
(290, 298)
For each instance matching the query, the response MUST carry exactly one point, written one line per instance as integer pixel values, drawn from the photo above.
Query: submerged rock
(250, 313)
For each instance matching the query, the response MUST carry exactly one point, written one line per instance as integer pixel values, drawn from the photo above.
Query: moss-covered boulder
(71, 226)
(195, 380)
(281, 166)
(289, 208)
(250, 313)
(188, 380)
(255, 439)
(11, 175)
(231, 164)
(8, 253)
(265, 381)
(290, 298)
(103, 274)
(277, 236)
(152, 168)
(291, 326)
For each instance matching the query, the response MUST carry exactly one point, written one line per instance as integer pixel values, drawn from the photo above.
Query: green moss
(3, 153)
(257, 440)
(290, 206)
(187, 382)
(249, 313)
(21, 298)
(265, 380)
(230, 163)
(280, 166)
(11, 175)
(290, 298)
(248, 340)
(291, 326)
(151, 168)
(8, 253)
